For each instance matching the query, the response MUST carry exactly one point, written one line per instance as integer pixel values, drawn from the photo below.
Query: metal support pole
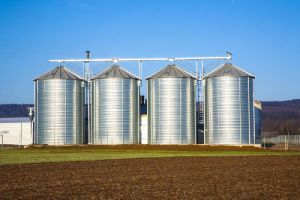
(264, 141)
(203, 101)
(31, 133)
(197, 100)
(285, 142)
(197, 70)
(87, 82)
(88, 109)
(288, 138)
(202, 68)
(140, 69)
(2, 135)
(139, 105)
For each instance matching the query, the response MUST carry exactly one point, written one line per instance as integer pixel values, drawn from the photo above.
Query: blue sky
(264, 37)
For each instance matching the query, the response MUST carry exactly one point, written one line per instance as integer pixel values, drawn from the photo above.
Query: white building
(15, 131)
(144, 129)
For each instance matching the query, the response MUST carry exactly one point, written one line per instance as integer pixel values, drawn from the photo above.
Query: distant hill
(14, 110)
(281, 116)
(282, 109)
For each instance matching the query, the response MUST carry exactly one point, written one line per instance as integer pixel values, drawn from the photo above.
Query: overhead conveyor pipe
(227, 57)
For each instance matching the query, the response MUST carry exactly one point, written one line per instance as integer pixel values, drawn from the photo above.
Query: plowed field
(245, 177)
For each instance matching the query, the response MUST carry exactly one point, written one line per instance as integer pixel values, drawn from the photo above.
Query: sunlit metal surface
(58, 112)
(171, 110)
(229, 110)
(115, 108)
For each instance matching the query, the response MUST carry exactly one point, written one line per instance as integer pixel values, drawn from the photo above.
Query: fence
(282, 139)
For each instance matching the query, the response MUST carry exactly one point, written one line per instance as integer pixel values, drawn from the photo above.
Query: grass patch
(41, 155)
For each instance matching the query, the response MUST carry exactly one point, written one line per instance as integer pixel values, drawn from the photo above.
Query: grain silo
(171, 106)
(58, 108)
(229, 106)
(115, 107)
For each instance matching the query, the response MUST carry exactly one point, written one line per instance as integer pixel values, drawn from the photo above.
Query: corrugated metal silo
(58, 108)
(229, 106)
(115, 107)
(171, 107)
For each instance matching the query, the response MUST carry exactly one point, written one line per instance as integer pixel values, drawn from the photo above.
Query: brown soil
(282, 147)
(253, 177)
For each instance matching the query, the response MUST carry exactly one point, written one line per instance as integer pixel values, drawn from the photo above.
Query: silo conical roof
(171, 71)
(59, 73)
(228, 69)
(115, 71)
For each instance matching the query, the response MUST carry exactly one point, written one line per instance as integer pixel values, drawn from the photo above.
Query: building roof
(115, 71)
(257, 104)
(228, 69)
(14, 120)
(171, 71)
(60, 72)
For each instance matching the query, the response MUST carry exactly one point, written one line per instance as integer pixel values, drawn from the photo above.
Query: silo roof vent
(229, 69)
(115, 71)
(171, 71)
(60, 72)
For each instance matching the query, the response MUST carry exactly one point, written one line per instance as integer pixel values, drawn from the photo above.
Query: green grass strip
(21, 156)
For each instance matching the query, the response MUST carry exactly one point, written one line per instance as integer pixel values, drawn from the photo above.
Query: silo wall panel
(171, 111)
(59, 112)
(115, 112)
(229, 110)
